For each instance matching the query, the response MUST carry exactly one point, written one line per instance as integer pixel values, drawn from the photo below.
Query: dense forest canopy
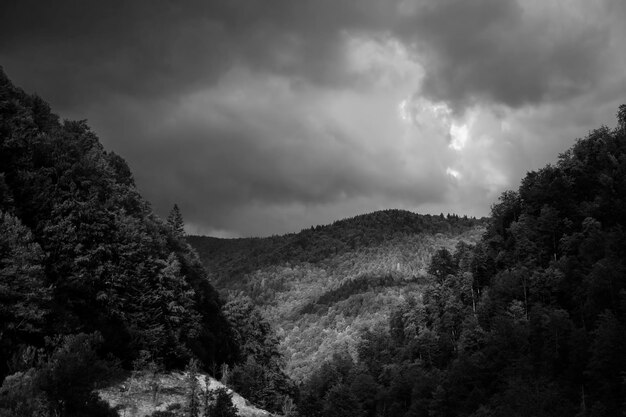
(225, 258)
(530, 321)
(322, 287)
(85, 262)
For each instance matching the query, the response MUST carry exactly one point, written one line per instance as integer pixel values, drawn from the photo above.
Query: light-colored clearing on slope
(144, 393)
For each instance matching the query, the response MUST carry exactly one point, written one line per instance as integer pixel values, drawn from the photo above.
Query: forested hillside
(228, 258)
(385, 314)
(323, 287)
(91, 281)
(531, 321)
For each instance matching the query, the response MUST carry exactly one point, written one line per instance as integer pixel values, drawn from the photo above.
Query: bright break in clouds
(263, 117)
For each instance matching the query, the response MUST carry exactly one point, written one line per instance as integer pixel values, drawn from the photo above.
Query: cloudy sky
(264, 117)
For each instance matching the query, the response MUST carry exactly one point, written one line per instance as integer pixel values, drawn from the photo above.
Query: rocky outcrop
(143, 394)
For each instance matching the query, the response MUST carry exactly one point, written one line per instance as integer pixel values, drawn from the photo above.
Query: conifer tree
(23, 292)
(175, 221)
(222, 405)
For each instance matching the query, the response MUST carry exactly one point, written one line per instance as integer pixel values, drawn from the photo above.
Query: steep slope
(85, 266)
(322, 287)
(530, 322)
(228, 258)
(144, 393)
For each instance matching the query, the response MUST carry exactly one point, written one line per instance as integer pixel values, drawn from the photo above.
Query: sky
(267, 117)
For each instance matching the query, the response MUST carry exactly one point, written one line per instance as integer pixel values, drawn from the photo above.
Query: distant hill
(323, 286)
(531, 321)
(228, 257)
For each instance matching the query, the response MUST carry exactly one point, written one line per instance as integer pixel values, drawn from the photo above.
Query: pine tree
(222, 405)
(175, 221)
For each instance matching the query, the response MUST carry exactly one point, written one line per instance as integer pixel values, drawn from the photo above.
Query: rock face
(142, 394)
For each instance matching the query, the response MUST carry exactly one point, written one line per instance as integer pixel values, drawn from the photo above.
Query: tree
(340, 402)
(24, 295)
(71, 373)
(21, 396)
(175, 221)
(537, 308)
(259, 375)
(253, 333)
(101, 256)
(365, 389)
(221, 404)
(6, 199)
(442, 264)
(621, 117)
(607, 362)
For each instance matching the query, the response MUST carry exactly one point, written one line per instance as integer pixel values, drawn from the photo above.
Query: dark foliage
(320, 303)
(175, 221)
(82, 252)
(110, 263)
(221, 404)
(529, 322)
(258, 374)
(226, 258)
(60, 383)
(349, 288)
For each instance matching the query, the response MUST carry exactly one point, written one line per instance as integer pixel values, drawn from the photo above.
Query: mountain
(322, 287)
(531, 321)
(385, 314)
(91, 279)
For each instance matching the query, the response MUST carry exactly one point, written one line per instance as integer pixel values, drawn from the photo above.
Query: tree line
(530, 321)
(91, 280)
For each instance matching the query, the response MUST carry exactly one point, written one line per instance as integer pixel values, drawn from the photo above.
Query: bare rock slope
(142, 394)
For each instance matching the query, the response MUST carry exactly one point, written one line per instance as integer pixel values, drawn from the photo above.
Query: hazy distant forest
(385, 314)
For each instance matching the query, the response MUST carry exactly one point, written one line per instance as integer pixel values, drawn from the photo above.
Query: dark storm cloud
(506, 51)
(153, 48)
(91, 49)
(265, 116)
(250, 155)
(487, 49)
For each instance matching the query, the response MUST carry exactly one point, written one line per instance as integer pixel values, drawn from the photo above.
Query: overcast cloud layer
(265, 117)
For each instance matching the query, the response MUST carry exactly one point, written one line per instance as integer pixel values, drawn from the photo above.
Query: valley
(323, 287)
(107, 309)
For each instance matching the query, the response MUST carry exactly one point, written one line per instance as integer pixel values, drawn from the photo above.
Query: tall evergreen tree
(24, 295)
(175, 221)
(222, 405)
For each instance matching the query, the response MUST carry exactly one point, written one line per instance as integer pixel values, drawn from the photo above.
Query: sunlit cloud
(453, 173)
(459, 135)
(262, 120)
(403, 112)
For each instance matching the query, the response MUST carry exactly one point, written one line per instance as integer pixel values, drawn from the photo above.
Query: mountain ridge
(322, 287)
(319, 242)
